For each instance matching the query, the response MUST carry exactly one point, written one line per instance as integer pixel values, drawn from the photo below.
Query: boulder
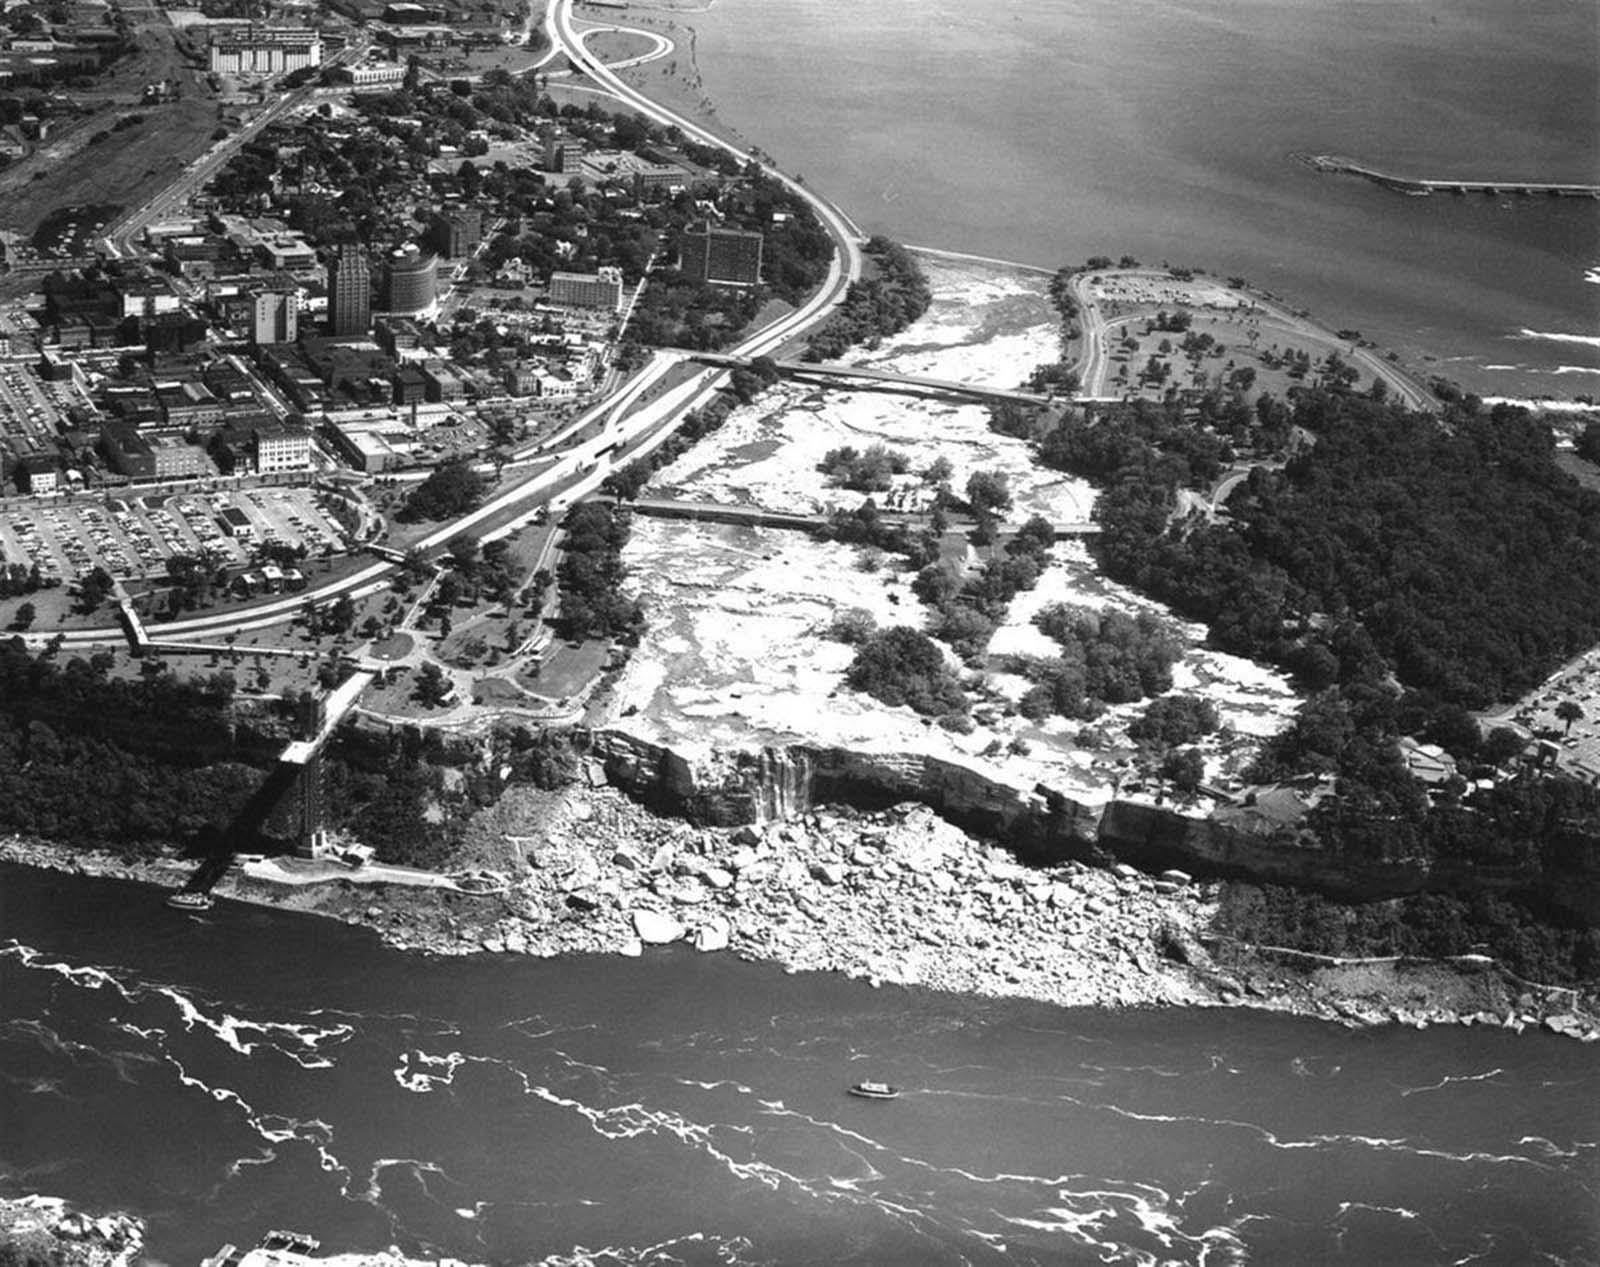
(828, 872)
(583, 900)
(747, 835)
(627, 859)
(1175, 876)
(1124, 872)
(744, 858)
(689, 893)
(655, 928)
(712, 935)
(1567, 1025)
(717, 878)
(632, 948)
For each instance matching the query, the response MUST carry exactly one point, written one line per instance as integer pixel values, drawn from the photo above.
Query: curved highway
(581, 469)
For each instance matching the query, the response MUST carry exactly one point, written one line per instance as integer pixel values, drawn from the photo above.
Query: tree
(93, 590)
(1184, 769)
(26, 614)
(452, 490)
(1569, 711)
(904, 666)
(1588, 443)
(989, 491)
(432, 686)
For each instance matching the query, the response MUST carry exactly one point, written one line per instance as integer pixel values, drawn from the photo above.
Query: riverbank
(893, 897)
(39, 1229)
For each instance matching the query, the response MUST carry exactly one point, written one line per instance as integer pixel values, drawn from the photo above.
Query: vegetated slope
(875, 306)
(91, 760)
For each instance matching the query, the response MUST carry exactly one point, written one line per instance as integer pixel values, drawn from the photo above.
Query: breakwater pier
(1417, 187)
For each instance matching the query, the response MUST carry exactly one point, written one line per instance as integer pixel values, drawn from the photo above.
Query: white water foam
(1557, 336)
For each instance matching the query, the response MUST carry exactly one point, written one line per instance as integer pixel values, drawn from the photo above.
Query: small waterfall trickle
(782, 784)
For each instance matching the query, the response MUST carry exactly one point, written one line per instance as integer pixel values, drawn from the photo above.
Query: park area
(1165, 330)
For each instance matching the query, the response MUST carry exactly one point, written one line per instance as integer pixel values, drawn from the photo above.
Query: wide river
(227, 1074)
(1047, 131)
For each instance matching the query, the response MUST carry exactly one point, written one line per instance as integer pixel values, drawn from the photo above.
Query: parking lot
(134, 537)
(30, 408)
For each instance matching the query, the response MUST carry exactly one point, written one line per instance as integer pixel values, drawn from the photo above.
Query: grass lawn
(567, 669)
(395, 647)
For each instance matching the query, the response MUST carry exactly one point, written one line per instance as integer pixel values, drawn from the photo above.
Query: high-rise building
(563, 154)
(409, 281)
(588, 290)
(276, 318)
(349, 293)
(457, 231)
(724, 257)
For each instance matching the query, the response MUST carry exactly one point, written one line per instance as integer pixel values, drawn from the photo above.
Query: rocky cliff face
(778, 783)
(1042, 826)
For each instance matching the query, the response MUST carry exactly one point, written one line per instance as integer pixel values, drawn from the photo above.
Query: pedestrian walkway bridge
(333, 710)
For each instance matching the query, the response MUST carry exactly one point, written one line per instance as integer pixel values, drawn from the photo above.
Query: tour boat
(191, 901)
(875, 1091)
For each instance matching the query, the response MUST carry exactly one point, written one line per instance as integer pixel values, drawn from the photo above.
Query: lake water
(227, 1074)
(1049, 132)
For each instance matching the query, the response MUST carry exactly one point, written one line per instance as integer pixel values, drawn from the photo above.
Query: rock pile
(900, 896)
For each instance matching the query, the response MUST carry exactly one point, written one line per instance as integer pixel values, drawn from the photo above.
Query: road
(632, 426)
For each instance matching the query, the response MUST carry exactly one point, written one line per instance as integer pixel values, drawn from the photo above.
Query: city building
(410, 281)
(142, 457)
(563, 154)
(724, 257)
(441, 383)
(257, 49)
(280, 449)
(276, 317)
(38, 475)
(602, 289)
(457, 231)
(374, 75)
(349, 294)
(410, 386)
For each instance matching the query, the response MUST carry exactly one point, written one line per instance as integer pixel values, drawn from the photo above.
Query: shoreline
(897, 897)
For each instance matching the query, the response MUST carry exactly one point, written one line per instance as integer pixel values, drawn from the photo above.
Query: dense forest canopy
(1462, 550)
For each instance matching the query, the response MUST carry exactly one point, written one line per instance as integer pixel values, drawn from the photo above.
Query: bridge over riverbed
(815, 522)
(887, 380)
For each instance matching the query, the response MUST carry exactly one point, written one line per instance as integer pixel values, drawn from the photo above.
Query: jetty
(1422, 188)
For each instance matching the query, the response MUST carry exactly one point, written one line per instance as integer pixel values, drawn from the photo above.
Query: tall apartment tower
(349, 293)
(276, 318)
(724, 257)
(410, 280)
(457, 232)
